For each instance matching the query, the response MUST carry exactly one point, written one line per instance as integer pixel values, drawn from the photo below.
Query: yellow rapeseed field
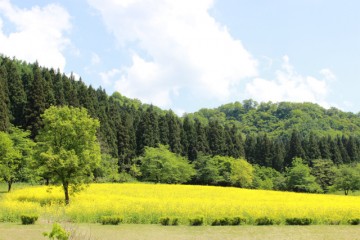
(146, 203)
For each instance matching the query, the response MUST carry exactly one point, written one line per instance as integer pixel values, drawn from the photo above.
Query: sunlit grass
(146, 203)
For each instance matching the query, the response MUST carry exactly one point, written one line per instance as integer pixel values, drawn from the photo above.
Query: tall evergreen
(164, 130)
(202, 144)
(189, 139)
(344, 155)
(324, 148)
(216, 137)
(59, 89)
(238, 142)
(295, 148)
(250, 148)
(17, 93)
(36, 104)
(278, 151)
(174, 132)
(312, 147)
(4, 100)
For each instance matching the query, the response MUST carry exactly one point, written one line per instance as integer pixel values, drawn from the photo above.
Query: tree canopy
(68, 150)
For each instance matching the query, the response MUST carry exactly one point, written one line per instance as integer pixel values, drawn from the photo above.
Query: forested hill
(267, 134)
(278, 119)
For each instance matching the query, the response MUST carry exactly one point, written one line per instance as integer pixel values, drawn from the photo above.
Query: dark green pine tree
(70, 92)
(148, 130)
(216, 137)
(164, 130)
(229, 148)
(126, 141)
(36, 103)
(202, 144)
(189, 139)
(344, 155)
(312, 148)
(4, 101)
(174, 132)
(295, 149)
(263, 151)
(335, 151)
(250, 148)
(238, 142)
(59, 89)
(324, 148)
(49, 87)
(17, 93)
(279, 152)
(352, 149)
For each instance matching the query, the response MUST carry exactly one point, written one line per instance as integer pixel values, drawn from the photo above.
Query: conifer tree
(174, 132)
(4, 99)
(216, 137)
(295, 148)
(36, 104)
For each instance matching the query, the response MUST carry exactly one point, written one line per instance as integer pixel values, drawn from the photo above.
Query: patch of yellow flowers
(146, 203)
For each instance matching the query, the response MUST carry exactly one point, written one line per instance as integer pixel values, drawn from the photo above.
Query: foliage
(198, 221)
(162, 166)
(28, 219)
(268, 179)
(324, 171)
(111, 220)
(299, 178)
(241, 173)
(298, 221)
(348, 178)
(68, 151)
(228, 221)
(166, 221)
(264, 221)
(15, 156)
(57, 232)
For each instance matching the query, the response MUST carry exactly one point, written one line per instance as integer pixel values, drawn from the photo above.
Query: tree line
(267, 134)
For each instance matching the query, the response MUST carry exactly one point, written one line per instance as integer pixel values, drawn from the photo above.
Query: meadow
(147, 203)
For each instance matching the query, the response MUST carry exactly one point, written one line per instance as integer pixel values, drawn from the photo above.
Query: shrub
(166, 221)
(264, 221)
(298, 221)
(237, 221)
(228, 221)
(110, 220)
(196, 221)
(354, 221)
(57, 232)
(28, 219)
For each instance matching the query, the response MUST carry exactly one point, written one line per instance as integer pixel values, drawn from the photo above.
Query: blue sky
(186, 55)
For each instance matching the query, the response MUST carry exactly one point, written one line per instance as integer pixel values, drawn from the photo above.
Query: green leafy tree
(268, 178)
(347, 178)
(299, 178)
(9, 159)
(324, 171)
(242, 173)
(162, 166)
(207, 170)
(16, 153)
(68, 150)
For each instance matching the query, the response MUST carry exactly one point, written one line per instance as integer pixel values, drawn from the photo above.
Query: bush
(28, 219)
(110, 220)
(354, 221)
(58, 233)
(298, 221)
(264, 221)
(228, 221)
(196, 221)
(237, 221)
(166, 221)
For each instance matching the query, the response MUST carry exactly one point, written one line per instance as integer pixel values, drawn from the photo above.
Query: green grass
(13, 231)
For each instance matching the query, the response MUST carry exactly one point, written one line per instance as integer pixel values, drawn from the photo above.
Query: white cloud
(95, 59)
(291, 86)
(175, 45)
(38, 33)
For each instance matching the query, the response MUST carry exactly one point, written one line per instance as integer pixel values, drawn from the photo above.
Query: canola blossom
(147, 203)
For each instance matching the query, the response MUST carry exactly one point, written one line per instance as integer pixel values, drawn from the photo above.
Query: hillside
(268, 134)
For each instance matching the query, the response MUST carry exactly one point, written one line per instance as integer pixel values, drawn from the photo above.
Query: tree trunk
(346, 192)
(9, 186)
(66, 192)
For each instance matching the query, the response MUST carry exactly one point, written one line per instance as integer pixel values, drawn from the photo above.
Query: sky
(186, 55)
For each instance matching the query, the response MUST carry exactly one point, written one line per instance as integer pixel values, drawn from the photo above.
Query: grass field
(13, 231)
(147, 203)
